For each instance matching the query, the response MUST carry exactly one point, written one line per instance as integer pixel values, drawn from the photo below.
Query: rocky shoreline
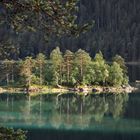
(105, 89)
(60, 89)
(2, 90)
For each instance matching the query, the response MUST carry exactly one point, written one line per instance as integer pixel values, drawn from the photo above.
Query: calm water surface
(72, 117)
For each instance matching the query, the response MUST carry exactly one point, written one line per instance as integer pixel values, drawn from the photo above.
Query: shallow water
(72, 117)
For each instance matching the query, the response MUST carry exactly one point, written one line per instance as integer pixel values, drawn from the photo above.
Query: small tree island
(70, 71)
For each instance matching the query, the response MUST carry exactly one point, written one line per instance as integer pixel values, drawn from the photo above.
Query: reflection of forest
(94, 107)
(62, 111)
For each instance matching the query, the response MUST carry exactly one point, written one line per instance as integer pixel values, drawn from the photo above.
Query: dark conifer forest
(116, 30)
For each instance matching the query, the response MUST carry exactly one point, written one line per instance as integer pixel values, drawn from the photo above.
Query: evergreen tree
(26, 71)
(115, 75)
(57, 61)
(68, 64)
(40, 65)
(101, 69)
(11, 134)
(118, 59)
(82, 60)
(49, 73)
(89, 77)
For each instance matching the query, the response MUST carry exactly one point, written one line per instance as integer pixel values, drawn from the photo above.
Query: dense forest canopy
(44, 18)
(116, 31)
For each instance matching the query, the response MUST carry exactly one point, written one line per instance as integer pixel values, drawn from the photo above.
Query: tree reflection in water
(93, 108)
(64, 111)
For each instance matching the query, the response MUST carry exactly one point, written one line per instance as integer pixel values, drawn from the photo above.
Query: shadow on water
(79, 135)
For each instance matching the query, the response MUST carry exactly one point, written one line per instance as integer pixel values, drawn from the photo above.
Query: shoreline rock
(83, 89)
(104, 89)
(2, 90)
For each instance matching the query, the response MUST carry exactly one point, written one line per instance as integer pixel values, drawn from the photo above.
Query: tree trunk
(68, 71)
(7, 78)
(41, 79)
(12, 74)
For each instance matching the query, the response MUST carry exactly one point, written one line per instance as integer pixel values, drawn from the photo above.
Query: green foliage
(115, 75)
(40, 19)
(35, 79)
(49, 74)
(74, 75)
(70, 69)
(10, 134)
(82, 61)
(40, 59)
(89, 75)
(40, 63)
(101, 69)
(112, 35)
(7, 49)
(56, 60)
(118, 59)
(54, 17)
(7, 71)
(27, 70)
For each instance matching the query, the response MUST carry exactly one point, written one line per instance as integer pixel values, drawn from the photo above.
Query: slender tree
(9, 68)
(40, 64)
(82, 60)
(57, 60)
(27, 70)
(68, 63)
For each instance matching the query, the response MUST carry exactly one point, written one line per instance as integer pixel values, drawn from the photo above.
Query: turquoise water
(105, 116)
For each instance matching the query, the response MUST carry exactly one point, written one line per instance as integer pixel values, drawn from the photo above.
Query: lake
(104, 116)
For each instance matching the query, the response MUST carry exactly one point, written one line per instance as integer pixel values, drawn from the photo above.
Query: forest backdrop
(116, 31)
